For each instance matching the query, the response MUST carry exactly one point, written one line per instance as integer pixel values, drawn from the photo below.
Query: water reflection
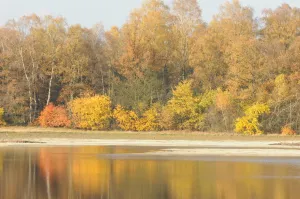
(79, 172)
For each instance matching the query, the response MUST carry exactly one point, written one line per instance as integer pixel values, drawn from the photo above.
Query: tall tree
(187, 19)
(28, 57)
(145, 52)
(73, 62)
(281, 24)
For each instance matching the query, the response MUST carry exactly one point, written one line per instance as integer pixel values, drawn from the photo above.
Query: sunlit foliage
(202, 74)
(91, 112)
(286, 130)
(150, 119)
(125, 119)
(54, 116)
(2, 122)
(185, 110)
(249, 124)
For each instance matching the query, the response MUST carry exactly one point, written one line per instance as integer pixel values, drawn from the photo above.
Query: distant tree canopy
(163, 69)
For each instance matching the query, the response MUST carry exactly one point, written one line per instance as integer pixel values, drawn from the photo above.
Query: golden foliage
(281, 24)
(2, 122)
(126, 120)
(91, 112)
(184, 110)
(129, 121)
(223, 100)
(281, 87)
(249, 124)
(150, 119)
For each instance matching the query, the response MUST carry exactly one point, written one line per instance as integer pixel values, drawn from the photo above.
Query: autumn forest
(164, 69)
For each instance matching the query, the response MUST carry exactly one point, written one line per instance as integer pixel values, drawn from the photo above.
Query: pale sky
(109, 12)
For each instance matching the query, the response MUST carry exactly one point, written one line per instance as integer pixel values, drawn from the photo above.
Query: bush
(185, 111)
(54, 116)
(125, 119)
(2, 122)
(181, 108)
(91, 112)
(249, 124)
(150, 119)
(286, 130)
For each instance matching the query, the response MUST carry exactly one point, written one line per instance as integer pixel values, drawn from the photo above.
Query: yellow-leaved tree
(150, 119)
(125, 119)
(250, 124)
(91, 112)
(2, 122)
(185, 111)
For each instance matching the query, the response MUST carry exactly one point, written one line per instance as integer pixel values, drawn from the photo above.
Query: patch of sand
(283, 152)
(189, 148)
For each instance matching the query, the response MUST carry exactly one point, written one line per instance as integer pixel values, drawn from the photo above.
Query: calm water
(93, 172)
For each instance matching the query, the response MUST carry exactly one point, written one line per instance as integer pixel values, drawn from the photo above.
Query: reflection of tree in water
(91, 175)
(52, 164)
(16, 178)
(79, 172)
(1, 162)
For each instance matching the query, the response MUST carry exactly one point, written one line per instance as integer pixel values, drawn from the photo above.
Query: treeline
(237, 72)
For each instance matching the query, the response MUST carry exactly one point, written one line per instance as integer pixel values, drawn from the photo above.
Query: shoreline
(11, 133)
(170, 148)
(173, 143)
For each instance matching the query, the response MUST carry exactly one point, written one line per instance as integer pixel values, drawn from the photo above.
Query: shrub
(125, 119)
(249, 124)
(181, 108)
(286, 130)
(150, 119)
(91, 112)
(2, 122)
(185, 111)
(54, 116)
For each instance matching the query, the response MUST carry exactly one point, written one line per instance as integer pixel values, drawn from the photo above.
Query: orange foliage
(54, 116)
(288, 131)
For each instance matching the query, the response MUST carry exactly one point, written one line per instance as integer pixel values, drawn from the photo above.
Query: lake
(115, 172)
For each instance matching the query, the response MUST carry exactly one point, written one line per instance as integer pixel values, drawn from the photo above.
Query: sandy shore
(176, 147)
(173, 143)
(282, 152)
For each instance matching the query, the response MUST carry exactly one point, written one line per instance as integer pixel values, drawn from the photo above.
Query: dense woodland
(164, 69)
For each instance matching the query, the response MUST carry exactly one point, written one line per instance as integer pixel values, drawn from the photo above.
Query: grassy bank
(13, 133)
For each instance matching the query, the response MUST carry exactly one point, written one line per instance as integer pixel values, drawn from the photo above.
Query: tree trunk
(50, 86)
(28, 84)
